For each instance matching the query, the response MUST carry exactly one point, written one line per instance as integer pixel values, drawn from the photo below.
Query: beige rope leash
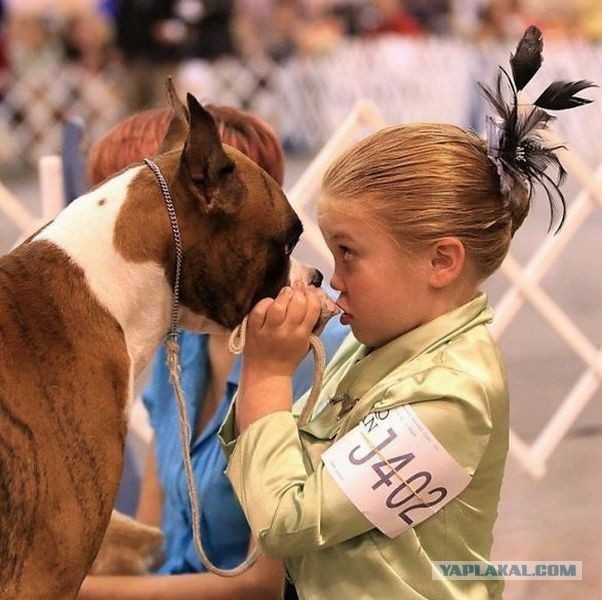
(236, 345)
(173, 363)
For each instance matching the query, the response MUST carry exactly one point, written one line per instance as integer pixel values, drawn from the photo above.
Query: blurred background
(303, 65)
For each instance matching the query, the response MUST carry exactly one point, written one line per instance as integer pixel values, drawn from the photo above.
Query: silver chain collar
(177, 238)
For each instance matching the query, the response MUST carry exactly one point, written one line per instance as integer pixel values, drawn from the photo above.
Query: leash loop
(172, 345)
(236, 344)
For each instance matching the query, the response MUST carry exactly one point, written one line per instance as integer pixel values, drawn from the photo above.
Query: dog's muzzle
(308, 275)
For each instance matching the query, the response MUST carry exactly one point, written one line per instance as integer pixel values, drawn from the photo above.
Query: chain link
(177, 238)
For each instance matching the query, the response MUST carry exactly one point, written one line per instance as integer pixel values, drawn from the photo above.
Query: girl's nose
(335, 282)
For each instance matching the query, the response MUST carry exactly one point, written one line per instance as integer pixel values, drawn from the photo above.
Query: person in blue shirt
(203, 364)
(210, 375)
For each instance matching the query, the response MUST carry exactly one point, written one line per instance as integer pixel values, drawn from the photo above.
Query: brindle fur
(63, 389)
(64, 364)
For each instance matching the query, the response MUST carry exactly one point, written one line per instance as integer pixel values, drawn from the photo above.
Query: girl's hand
(278, 330)
(277, 340)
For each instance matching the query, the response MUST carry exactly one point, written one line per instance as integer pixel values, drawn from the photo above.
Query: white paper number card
(394, 470)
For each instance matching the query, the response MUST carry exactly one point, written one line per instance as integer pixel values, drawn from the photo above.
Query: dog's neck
(136, 294)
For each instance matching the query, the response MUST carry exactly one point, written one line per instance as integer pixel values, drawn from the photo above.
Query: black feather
(528, 58)
(531, 121)
(515, 143)
(496, 98)
(555, 195)
(560, 95)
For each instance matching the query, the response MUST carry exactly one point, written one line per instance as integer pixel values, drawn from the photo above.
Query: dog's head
(238, 229)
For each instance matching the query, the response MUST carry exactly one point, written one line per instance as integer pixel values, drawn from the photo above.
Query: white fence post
(51, 199)
(52, 189)
(364, 116)
(525, 282)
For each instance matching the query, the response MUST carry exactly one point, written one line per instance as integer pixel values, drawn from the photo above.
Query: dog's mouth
(267, 291)
(346, 319)
(329, 309)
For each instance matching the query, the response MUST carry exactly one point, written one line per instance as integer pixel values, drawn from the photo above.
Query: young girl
(402, 462)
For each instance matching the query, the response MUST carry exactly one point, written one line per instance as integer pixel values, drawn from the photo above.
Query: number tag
(394, 470)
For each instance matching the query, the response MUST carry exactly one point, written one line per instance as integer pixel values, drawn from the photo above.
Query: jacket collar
(369, 368)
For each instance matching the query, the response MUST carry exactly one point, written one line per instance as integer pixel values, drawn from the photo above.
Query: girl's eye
(345, 252)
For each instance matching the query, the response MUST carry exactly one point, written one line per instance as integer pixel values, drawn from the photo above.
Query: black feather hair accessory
(515, 143)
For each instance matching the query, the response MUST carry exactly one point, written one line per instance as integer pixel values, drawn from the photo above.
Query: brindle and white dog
(83, 306)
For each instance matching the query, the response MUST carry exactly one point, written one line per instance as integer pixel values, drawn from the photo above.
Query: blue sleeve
(158, 396)
(332, 336)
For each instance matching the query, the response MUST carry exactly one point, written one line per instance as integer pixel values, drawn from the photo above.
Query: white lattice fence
(363, 119)
(35, 105)
(308, 97)
(227, 80)
(409, 80)
(51, 199)
(526, 287)
(525, 280)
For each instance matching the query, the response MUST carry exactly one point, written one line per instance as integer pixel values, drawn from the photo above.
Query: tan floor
(557, 518)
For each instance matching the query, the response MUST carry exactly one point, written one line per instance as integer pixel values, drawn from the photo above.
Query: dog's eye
(288, 248)
(226, 170)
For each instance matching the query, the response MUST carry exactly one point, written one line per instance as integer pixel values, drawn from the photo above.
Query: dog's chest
(136, 294)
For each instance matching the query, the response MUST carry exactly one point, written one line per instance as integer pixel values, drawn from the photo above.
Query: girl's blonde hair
(426, 181)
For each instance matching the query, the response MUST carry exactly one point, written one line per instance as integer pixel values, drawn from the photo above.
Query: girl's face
(384, 292)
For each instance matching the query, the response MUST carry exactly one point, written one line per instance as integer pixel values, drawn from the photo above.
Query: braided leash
(236, 345)
(173, 363)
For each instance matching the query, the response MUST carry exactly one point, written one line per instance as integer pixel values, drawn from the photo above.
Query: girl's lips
(345, 317)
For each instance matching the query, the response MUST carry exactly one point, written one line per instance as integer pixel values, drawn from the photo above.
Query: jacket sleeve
(290, 511)
(293, 510)
(453, 405)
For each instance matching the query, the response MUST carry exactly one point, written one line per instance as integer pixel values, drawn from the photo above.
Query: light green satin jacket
(451, 372)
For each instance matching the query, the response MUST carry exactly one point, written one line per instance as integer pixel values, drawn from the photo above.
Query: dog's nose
(316, 278)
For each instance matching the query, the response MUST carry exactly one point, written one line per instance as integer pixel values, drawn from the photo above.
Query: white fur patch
(136, 294)
(300, 272)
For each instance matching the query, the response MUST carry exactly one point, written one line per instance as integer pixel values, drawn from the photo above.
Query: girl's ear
(447, 261)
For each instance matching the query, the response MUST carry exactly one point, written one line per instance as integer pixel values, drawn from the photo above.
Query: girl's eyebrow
(340, 236)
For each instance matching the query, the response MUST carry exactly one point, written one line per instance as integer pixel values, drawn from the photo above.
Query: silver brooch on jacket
(346, 401)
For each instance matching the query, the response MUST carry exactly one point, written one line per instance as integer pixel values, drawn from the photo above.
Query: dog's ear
(206, 162)
(179, 125)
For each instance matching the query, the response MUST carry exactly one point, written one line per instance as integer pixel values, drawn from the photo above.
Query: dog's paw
(128, 548)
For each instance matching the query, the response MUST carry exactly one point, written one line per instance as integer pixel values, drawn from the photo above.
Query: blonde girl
(401, 464)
